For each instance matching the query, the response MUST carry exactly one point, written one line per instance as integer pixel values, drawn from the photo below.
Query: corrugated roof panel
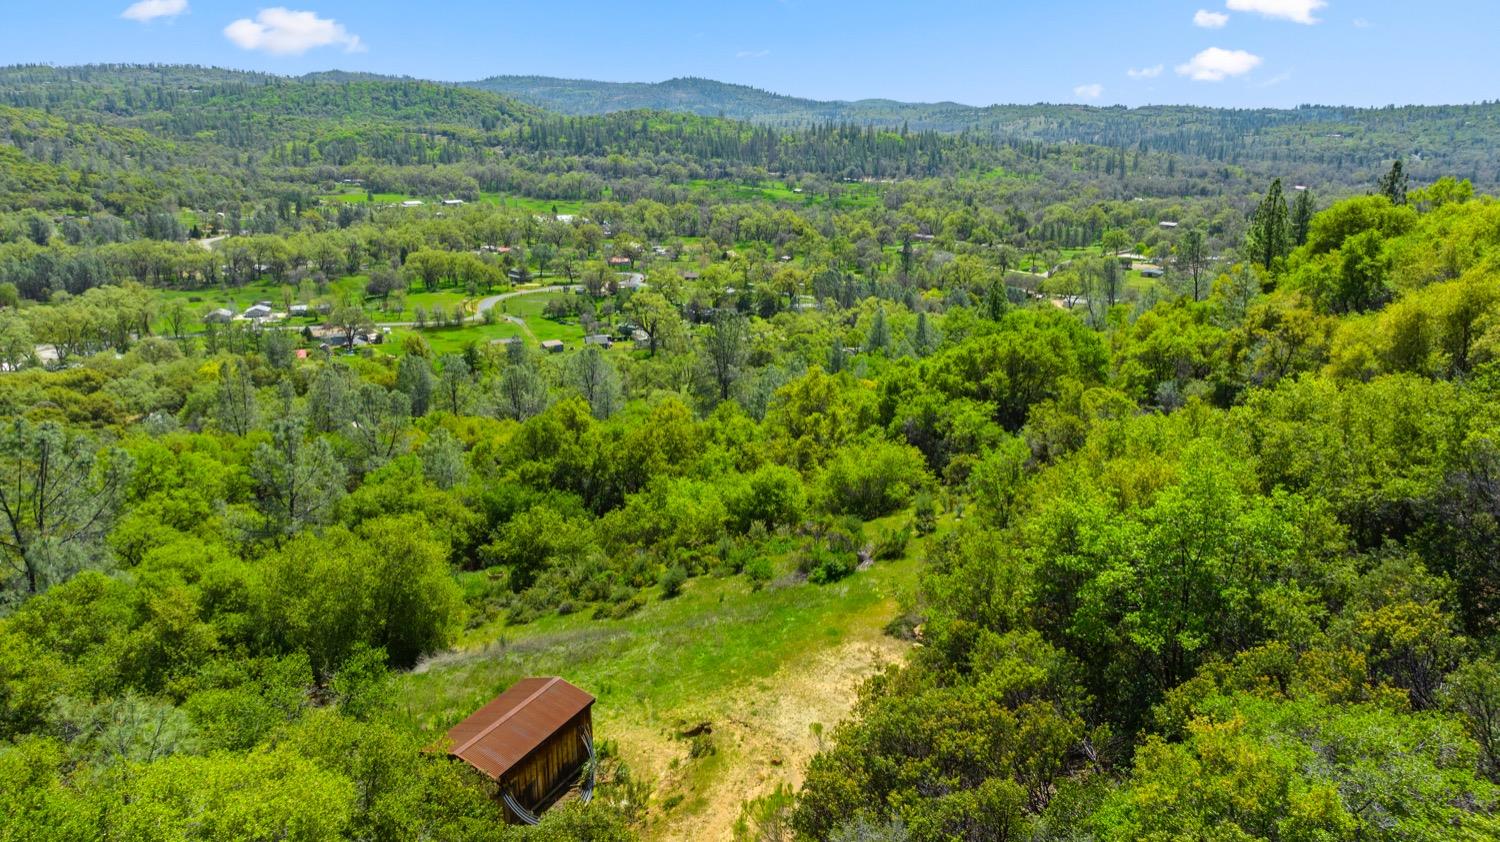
(502, 733)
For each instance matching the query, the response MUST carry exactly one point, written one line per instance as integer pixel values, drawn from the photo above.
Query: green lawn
(541, 206)
(451, 340)
(444, 300)
(360, 197)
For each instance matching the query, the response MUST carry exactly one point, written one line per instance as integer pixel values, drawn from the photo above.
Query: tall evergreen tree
(1268, 240)
(57, 500)
(414, 377)
(1394, 183)
(879, 339)
(382, 422)
(1192, 259)
(299, 480)
(522, 393)
(454, 382)
(1302, 214)
(597, 380)
(330, 398)
(236, 405)
(836, 355)
(725, 347)
(443, 459)
(923, 342)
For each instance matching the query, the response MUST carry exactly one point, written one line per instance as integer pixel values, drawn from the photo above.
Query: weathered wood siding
(558, 759)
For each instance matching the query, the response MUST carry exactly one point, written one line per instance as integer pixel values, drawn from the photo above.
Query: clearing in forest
(715, 697)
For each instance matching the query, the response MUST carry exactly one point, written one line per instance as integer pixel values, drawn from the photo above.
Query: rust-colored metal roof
(502, 733)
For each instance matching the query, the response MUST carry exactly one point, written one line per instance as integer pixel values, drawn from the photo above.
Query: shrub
(891, 544)
(759, 571)
(771, 496)
(924, 516)
(702, 745)
(823, 563)
(872, 480)
(672, 582)
(621, 610)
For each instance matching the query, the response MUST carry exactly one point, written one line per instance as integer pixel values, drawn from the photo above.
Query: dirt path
(763, 739)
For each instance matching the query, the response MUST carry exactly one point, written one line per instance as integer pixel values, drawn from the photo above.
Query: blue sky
(1132, 52)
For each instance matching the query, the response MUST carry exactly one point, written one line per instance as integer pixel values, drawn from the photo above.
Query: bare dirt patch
(763, 737)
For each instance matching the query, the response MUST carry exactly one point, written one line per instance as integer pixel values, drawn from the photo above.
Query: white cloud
(283, 32)
(1146, 72)
(1216, 65)
(1210, 20)
(1299, 11)
(752, 53)
(1093, 91)
(149, 10)
(1362, 23)
(1276, 80)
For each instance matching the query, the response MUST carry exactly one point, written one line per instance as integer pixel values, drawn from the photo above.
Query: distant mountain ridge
(695, 95)
(1434, 139)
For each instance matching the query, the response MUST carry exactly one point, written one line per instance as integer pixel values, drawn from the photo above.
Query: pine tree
(1302, 214)
(1394, 183)
(836, 356)
(1192, 260)
(594, 377)
(923, 341)
(1268, 239)
(443, 460)
(725, 349)
(454, 381)
(522, 393)
(236, 404)
(414, 377)
(880, 334)
(299, 481)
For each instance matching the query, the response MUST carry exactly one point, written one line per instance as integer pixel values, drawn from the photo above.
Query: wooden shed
(533, 740)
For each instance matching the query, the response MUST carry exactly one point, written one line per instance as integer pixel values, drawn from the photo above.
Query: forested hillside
(881, 484)
(1329, 144)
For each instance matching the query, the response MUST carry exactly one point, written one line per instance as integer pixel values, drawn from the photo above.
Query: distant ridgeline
(1443, 139)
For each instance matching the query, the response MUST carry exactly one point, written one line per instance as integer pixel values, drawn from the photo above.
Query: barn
(533, 740)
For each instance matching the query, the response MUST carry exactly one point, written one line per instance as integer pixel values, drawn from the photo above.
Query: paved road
(491, 301)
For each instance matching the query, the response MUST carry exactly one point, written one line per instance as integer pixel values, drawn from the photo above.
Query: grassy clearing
(534, 327)
(526, 203)
(361, 197)
(529, 309)
(451, 340)
(670, 655)
(770, 671)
